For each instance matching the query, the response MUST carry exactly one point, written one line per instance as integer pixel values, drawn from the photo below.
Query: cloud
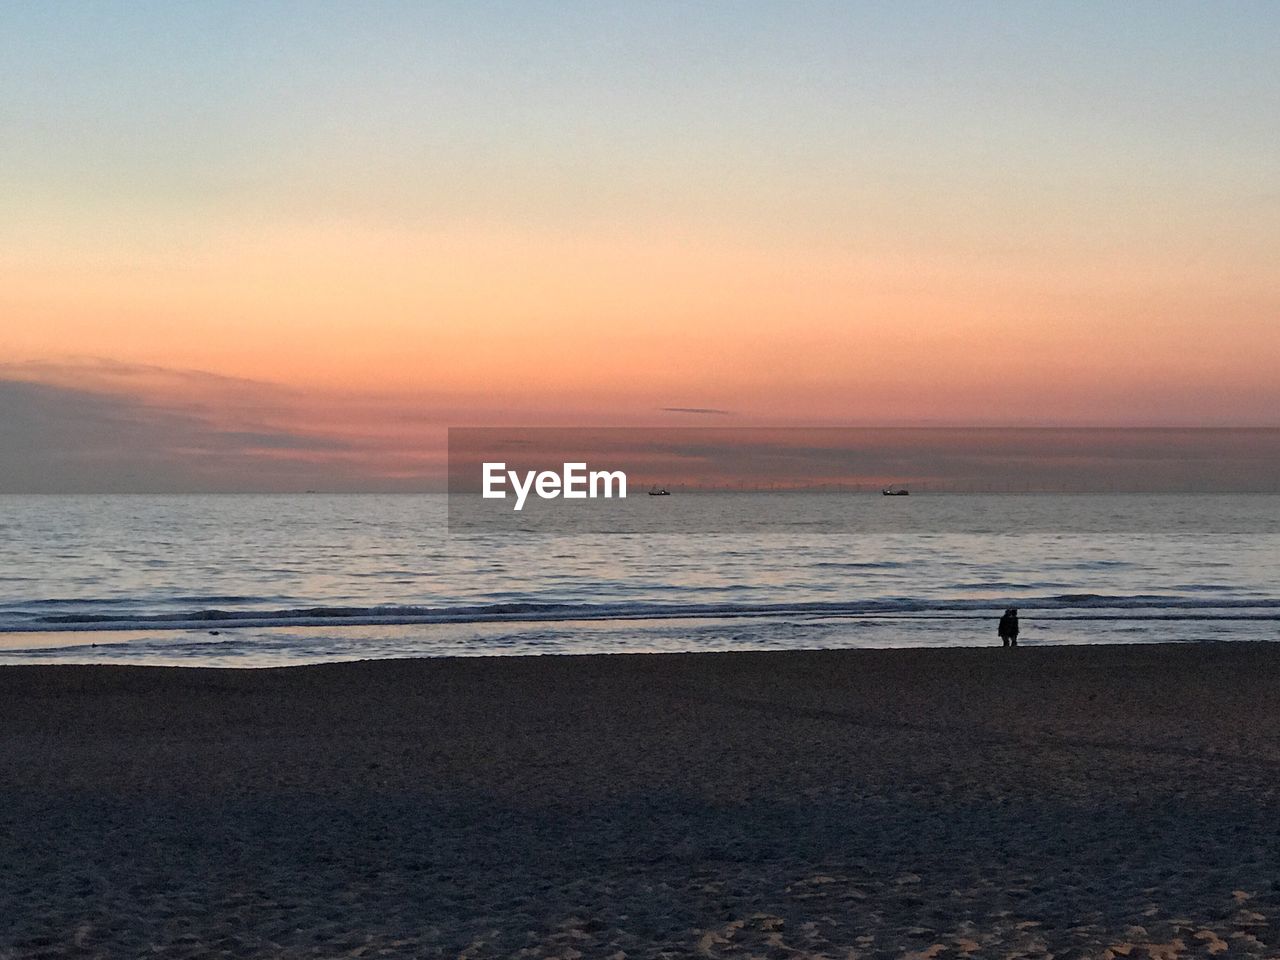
(258, 440)
(937, 459)
(99, 426)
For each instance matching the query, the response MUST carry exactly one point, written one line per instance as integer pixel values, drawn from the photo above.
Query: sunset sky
(257, 245)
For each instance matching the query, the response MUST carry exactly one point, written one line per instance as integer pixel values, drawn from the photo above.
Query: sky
(264, 244)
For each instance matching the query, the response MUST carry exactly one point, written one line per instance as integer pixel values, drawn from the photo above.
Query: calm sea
(270, 580)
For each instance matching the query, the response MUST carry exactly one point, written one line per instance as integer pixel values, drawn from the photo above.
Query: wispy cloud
(95, 425)
(101, 426)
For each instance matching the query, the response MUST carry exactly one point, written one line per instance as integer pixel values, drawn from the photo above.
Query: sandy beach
(1066, 802)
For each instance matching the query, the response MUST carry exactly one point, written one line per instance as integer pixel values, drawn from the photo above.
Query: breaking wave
(1055, 606)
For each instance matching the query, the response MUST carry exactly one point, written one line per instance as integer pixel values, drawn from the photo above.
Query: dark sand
(1067, 802)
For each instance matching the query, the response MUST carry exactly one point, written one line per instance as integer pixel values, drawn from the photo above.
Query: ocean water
(272, 580)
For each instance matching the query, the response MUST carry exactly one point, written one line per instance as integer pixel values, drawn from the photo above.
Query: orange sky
(836, 214)
(636, 322)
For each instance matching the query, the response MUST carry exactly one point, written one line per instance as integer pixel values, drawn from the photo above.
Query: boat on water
(896, 492)
(659, 492)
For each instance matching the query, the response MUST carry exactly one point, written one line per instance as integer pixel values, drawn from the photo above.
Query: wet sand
(1066, 802)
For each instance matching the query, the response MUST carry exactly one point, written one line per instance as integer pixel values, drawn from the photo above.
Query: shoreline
(228, 649)
(1024, 644)
(1086, 801)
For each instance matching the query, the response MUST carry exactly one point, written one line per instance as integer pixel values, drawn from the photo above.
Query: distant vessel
(659, 492)
(896, 492)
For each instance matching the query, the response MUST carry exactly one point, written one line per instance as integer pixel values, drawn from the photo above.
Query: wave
(1073, 605)
(127, 601)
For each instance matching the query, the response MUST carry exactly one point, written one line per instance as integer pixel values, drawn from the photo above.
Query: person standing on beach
(1008, 629)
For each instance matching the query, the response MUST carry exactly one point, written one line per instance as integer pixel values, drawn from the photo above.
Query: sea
(273, 580)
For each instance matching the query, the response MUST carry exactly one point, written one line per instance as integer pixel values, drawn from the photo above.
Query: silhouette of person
(1008, 629)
